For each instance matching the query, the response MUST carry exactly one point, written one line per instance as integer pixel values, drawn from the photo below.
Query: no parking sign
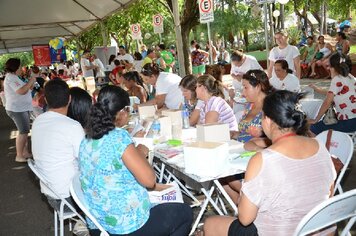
(136, 31)
(158, 24)
(206, 9)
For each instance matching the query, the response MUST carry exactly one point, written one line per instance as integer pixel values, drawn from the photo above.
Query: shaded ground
(24, 212)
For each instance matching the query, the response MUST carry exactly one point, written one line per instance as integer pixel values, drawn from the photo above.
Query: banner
(58, 54)
(41, 55)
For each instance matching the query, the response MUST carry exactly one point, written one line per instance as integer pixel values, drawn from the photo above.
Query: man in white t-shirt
(284, 51)
(240, 64)
(168, 93)
(55, 142)
(87, 67)
(124, 58)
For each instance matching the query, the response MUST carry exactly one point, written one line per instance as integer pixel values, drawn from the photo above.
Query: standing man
(87, 67)
(284, 51)
(125, 58)
(55, 142)
(167, 57)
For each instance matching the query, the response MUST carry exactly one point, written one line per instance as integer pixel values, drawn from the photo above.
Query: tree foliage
(25, 57)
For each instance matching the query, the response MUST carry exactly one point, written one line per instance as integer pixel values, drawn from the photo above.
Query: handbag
(336, 161)
(330, 116)
(319, 55)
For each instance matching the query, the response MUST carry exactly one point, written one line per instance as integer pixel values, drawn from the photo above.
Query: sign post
(158, 25)
(206, 10)
(136, 33)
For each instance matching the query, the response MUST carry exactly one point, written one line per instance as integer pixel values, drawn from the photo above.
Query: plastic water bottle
(185, 117)
(156, 129)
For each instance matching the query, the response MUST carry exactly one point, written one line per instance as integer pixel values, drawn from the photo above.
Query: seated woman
(188, 86)
(168, 94)
(135, 85)
(322, 55)
(270, 203)
(342, 94)
(115, 176)
(284, 78)
(215, 108)
(79, 106)
(256, 86)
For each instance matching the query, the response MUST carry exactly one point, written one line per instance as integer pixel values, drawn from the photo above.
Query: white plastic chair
(329, 212)
(78, 196)
(341, 145)
(58, 214)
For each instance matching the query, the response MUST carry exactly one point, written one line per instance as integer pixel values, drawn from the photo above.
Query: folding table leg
(212, 202)
(226, 196)
(184, 189)
(163, 167)
(203, 208)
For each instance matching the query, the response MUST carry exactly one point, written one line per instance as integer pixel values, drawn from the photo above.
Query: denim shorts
(21, 120)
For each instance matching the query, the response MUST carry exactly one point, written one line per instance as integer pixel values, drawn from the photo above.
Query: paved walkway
(23, 211)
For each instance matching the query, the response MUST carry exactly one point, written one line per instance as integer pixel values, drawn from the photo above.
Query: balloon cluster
(57, 43)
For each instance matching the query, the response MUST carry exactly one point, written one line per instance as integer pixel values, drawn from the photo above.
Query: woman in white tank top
(321, 60)
(283, 182)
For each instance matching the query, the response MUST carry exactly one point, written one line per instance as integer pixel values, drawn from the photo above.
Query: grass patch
(353, 49)
(260, 55)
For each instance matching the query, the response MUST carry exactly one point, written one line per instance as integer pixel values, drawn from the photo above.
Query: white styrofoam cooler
(206, 158)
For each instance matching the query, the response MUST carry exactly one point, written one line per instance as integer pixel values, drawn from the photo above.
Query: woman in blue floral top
(115, 176)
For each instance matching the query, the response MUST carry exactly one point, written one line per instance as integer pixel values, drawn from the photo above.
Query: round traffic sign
(157, 20)
(205, 5)
(135, 28)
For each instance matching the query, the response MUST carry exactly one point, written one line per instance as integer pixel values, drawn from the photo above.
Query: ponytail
(99, 122)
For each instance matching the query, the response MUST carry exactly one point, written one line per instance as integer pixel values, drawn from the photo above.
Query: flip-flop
(21, 159)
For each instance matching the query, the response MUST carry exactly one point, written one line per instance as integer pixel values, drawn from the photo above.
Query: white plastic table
(170, 168)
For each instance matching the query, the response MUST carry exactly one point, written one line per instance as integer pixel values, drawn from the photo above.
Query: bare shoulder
(254, 166)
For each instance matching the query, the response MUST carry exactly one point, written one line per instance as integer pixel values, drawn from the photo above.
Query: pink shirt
(226, 114)
(286, 189)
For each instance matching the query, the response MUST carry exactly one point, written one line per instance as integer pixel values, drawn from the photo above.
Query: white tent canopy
(24, 23)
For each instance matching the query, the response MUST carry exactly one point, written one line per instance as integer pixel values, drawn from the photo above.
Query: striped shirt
(226, 114)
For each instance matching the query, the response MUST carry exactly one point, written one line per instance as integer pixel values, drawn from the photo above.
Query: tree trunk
(189, 18)
(245, 32)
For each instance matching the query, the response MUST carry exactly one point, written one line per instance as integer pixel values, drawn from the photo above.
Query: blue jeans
(345, 126)
(168, 219)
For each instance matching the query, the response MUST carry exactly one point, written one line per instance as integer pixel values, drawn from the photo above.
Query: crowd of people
(76, 134)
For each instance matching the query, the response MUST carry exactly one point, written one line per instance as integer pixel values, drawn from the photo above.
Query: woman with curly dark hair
(115, 175)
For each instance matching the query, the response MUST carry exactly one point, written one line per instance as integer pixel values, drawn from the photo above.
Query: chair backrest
(329, 212)
(341, 146)
(78, 196)
(43, 180)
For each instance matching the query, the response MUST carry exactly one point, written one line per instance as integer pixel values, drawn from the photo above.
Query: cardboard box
(206, 158)
(164, 193)
(213, 132)
(166, 127)
(175, 115)
(146, 111)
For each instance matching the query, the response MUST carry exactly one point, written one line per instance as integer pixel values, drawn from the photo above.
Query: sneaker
(21, 159)
(80, 229)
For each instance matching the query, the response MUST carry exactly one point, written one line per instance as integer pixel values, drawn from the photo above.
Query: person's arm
(296, 62)
(270, 68)
(138, 165)
(345, 47)
(247, 210)
(194, 117)
(28, 86)
(318, 89)
(211, 117)
(140, 93)
(324, 107)
(158, 100)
